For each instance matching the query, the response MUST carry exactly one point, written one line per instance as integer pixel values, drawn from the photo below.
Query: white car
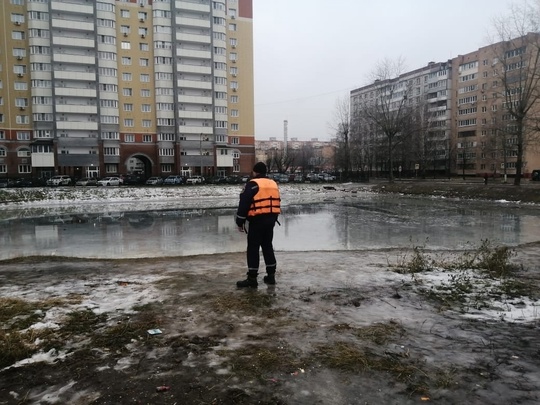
(154, 181)
(195, 180)
(109, 181)
(61, 180)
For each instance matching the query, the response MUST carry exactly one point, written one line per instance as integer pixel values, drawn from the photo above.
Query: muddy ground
(338, 328)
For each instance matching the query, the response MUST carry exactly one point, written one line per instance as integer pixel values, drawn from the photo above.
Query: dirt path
(338, 328)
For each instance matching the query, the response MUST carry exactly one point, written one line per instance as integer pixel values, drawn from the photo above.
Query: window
(108, 119)
(124, 13)
(126, 77)
(234, 127)
(145, 78)
(144, 62)
(146, 108)
(234, 113)
(3, 152)
(147, 138)
(105, 6)
(40, 133)
(232, 27)
(234, 99)
(111, 168)
(25, 168)
(165, 137)
(17, 35)
(2, 136)
(23, 136)
(166, 168)
(22, 119)
(124, 29)
(166, 152)
(145, 93)
(128, 107)
(129, 138)
(143, 46)
(128, 122)
(126, 60)
(165, 122)
(20, 86)
(23, 152)
(146, 123)
(233, 42)
(3, 168)
(126, 45)
(109, 135)
(17, 19)
(111, 151)
(127, 91)
(107, 55)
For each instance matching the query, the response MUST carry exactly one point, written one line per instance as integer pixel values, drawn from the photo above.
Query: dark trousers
(260, 235)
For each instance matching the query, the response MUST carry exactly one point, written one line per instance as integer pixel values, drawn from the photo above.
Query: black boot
(250, 281)
(270, 277)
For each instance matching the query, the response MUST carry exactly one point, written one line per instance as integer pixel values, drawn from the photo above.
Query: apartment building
(158, 87)
(427, 92)
(484, 130)
(467, 128)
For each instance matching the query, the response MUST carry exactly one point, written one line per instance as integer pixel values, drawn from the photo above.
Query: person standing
(260, 206)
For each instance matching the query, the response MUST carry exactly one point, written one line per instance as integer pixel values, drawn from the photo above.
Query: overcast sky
(310, 53)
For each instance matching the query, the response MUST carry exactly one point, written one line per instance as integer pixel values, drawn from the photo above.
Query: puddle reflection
(375, 224)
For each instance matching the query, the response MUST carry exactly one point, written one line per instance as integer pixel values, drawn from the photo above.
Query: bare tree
(518, 66)
(340, 127)
(391, 110)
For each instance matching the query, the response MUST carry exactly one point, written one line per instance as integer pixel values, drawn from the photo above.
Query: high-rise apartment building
(96, 87)
(426, 91)
(466, 110)
(492, 84)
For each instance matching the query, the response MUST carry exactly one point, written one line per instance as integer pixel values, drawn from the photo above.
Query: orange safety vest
(267, 200)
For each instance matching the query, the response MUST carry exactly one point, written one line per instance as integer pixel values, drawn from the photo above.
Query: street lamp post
(200, 153)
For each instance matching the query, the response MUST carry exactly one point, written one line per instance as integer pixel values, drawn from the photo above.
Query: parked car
(109, 181)
(326, 177)
(61, 180)
(133, 179)
(154, 181)
(23, 182)
(234, 179)
(195, 180)
(312, 177)
(119, 176)
(86, 181)
(283, 178)
(217, 180)
(173, 179)
(5, 182)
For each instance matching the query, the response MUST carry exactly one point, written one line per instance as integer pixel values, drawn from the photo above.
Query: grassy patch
(256, 361)
(131, 328)
(347, 356)
(473, 279)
